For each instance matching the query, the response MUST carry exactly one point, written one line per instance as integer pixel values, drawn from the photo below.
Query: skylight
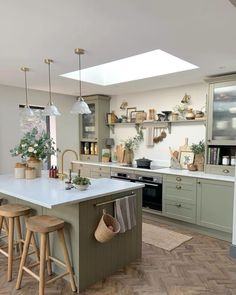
(141, 66)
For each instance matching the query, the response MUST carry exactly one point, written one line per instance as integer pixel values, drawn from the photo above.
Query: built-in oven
(152, 191)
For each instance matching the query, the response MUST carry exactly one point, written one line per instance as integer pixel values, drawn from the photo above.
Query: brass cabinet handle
(226, 171)
(178, 205)
(178, 186)
(178, 178)
(209, 140)
(198, 182)
(88, 158)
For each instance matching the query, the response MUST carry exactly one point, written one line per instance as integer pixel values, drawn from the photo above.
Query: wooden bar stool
(12, 213)
(44, 225)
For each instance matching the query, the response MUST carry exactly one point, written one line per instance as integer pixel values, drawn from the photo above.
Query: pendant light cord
(49, 83)
(80, 83)
(26, 90)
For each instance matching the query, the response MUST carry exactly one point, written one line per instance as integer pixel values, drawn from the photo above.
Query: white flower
(23, 145)
(35, 145)
(35, 152)
(30, 149)
(16, 152)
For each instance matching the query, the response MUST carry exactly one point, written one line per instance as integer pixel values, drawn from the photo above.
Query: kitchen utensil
(143, 163)
(120, 153)
(163, 134)
(156, 137)
(176, 154)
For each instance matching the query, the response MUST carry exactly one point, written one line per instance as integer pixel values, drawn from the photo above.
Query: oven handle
(150, 184)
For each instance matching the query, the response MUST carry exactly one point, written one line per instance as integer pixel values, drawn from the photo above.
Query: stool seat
(44, 224)
(14, 210)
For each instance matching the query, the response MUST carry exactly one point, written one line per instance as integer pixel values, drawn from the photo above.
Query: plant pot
(35, 163)
(81, 187)
(129, 156)
(199, 161)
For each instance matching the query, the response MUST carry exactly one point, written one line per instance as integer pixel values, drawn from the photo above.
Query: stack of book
(213, 156)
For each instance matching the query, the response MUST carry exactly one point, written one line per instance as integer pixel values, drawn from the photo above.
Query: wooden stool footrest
(57, 261)
(30, 272)
(33, 265)
(57, 277)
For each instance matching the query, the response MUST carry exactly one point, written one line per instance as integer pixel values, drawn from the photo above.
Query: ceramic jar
(30, 173)
(190, 114)
(174, 116)
(20, 170)
(35, 163)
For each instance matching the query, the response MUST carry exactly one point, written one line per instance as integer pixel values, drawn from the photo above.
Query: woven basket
(103, 233)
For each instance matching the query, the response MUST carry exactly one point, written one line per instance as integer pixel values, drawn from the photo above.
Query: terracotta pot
(35, 163)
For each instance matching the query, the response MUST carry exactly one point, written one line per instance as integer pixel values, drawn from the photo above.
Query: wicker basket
(103, 233)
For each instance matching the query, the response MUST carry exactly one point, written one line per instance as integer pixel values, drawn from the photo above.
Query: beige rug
(162, 237)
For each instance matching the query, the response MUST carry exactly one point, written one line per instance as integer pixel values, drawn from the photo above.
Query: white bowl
(81, 187)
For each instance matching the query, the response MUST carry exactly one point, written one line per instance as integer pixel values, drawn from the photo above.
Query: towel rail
(112, 201)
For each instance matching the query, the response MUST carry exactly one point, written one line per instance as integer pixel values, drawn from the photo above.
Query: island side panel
(99, 260)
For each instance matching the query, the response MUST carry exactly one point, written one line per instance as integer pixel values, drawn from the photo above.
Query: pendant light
(80, 106)
(50, 109)
(27, 111)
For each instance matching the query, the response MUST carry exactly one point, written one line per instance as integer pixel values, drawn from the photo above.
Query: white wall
(10, 98)
(162, 100)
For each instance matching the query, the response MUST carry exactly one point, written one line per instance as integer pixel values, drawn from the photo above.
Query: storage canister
(20, 170)
(225, 160)
(232, 160)
(30, 173)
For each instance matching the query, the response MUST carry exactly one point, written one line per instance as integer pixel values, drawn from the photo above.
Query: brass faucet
(62, 175)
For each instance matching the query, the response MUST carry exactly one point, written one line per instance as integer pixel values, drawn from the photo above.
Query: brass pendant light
(50, 109)
(80, 106)
(27, 111)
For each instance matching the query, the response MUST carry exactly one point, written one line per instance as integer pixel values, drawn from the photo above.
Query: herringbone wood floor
(200, 266)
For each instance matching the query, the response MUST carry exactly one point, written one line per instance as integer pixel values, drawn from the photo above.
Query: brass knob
(178, 186)
(178, 205)
(178, 178)
(226, 171)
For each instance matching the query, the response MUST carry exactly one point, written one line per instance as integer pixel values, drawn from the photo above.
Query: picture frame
(133, 116)
(128, 113)
(186, 158)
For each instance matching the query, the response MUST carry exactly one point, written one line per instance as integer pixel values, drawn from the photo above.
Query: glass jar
(225, 160)
(233, 160)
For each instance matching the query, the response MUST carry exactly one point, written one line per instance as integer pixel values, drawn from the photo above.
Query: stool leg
(1, 224)
(5, 224)
(34, 245)
(19, 233)
(66, 257)
(43, 244)
(23, 258)
(10, 248)
(49, 263)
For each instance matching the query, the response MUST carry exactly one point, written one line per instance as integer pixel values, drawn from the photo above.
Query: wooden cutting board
(120, 153)
(185, 147)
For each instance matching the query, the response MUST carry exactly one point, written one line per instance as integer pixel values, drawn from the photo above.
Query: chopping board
(120, 153)
(185, 147)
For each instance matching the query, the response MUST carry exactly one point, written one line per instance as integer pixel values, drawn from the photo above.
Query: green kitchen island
(82, 211)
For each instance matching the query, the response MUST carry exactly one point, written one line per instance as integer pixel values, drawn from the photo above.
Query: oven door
(152, 195)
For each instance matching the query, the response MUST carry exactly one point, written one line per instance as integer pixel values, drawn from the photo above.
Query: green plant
(132, 143)
(78, 180)
(198, 148)
(34, 144)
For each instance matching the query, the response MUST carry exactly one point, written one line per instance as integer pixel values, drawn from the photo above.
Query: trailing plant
(132, 143)
(198, 148)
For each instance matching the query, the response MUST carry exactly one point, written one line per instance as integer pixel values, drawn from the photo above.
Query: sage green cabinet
(221, 125)
(93, 129)
(215, 204)
(93, 171)
(179, 197)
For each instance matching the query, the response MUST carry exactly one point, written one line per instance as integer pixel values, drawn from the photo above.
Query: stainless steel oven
(152, 191)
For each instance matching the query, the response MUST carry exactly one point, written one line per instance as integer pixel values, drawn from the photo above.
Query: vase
(129, 156)
(33, 162)
(190, 114)
(199, 161)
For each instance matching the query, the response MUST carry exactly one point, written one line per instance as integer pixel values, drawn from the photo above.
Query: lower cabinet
(215, 204)
(93, 171)
(180, 210)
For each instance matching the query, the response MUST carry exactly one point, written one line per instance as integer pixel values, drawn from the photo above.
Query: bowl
(81, 187)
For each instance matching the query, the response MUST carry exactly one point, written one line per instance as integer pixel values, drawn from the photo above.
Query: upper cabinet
(93, 130)
(221, 125)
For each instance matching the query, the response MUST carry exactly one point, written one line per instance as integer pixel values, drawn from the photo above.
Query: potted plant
(199, 150)
(81, 183)
(131, 144)
(35, 147)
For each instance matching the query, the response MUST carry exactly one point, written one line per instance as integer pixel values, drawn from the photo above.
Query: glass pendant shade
(80, 106)
(27, 111)
(50, 109)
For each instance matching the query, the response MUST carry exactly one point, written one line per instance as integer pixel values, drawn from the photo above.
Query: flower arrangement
(34, 144)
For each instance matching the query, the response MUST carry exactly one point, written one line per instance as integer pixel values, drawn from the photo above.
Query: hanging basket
(107, 228)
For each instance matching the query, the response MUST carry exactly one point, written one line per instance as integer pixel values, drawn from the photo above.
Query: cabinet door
(215, 204)
(89, 122)
(222, 111)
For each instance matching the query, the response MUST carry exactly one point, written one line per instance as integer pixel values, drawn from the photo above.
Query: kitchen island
(82, 210)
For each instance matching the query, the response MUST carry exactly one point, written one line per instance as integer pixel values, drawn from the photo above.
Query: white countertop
(164, 170)
(49, 192)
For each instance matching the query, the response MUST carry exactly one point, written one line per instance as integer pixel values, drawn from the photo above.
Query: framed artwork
(186, 157)
(128, 113)
(133, 116)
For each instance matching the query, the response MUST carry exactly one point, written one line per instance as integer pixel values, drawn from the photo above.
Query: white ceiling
(201, 32)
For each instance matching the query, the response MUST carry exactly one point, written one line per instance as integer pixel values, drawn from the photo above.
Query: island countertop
(49, 192)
